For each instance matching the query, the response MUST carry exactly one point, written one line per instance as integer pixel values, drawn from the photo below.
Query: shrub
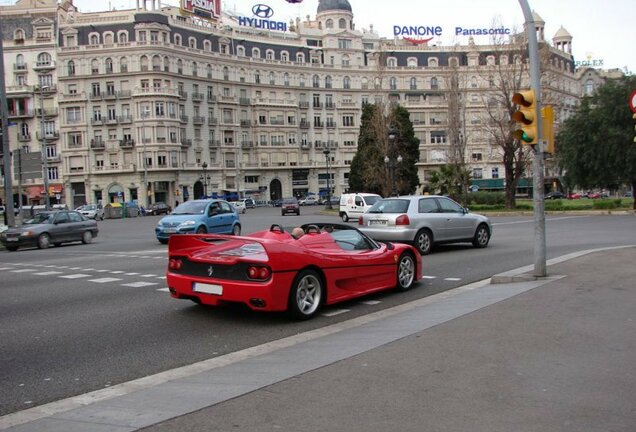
(488, 198)
(606, 204)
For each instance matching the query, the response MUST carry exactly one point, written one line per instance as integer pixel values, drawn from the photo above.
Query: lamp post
(45, 166)
(144, 114)
(326, 153)
(205, 179)
(393, 161)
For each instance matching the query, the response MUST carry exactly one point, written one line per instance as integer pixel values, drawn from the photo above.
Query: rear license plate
(170, 230)
(12, 239)
(377, 222)
(207, 288)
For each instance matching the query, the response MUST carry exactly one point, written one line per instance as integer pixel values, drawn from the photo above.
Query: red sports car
(272, 271)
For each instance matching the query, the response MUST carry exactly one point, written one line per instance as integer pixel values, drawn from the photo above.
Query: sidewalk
(557, 354)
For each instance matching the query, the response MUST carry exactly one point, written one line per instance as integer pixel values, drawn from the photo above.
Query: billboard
(209, 9)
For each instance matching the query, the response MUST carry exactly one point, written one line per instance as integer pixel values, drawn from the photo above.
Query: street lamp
(45, 167)
(392, 162)
(205, 179)
(326, 153)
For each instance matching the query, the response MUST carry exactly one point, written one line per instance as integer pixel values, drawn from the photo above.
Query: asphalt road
(83, 317)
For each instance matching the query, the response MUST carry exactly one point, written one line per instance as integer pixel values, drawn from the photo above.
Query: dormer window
(18, 35)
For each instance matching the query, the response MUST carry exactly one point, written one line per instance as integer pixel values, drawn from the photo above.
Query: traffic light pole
(538, 164)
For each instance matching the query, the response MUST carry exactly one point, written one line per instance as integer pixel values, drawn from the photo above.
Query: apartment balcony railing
(198, 120)
(98, 144)
(127, 143)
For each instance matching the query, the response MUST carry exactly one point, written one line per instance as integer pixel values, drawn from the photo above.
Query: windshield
(371, 199)
(190, 207)
(390, 206)
(40, 218)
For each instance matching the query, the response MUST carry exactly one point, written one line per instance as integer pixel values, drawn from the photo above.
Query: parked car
(158, 208)
(92, 211)
(554, 195)
(239, 206)
(334, 200)
(290, 205)
(574, 196)
(248, 202)
(276, 202)
(593, 195)
(50, 228)
(201, 217)
(270, 270)
(352, 205)
(424, 221)
(309, 200)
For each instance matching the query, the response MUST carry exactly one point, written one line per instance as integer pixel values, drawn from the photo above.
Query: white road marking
(104, 280)
(452, 279)
(161, 277)
(335, 312)
(6, 268)
(148, 275)
(48, 273)
(429, 277)
(117, 271)
(23, 270)
(75, 276)
(102, 271)
(163, 289)
(371, 302)
(75, 268)
(131, 274)
(139, 284)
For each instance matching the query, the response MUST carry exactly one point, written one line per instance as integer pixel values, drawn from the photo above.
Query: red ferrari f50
(272, 271)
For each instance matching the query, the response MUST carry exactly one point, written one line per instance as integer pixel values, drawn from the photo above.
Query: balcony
(330, 105)
(331, 124)
(247, 144)
(317, 105)
(24, 137)
(128, 143)
(211, 98)
(332, 144)
(43, 65)
(228, 98)
(20, 114)
(20, 67)
(197, 97)
(303, 105)
(183, 94)
(304, 124)
(96, 96)
(46, 112)
(123, 119)
(45, 89)
(186, 142)
(277, 122)
(183, 118)
(48, 135)
(304, 145)
(318, 124)
(214, 143)
(97, 121)
(110, 95)
(124, 94)
(98, 144)
(111, 120)
(213, 121)
(246, 123)
(55, 158)
(198, 120)
(244, 101)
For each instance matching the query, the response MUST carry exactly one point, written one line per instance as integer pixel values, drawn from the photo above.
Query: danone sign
(202, 8)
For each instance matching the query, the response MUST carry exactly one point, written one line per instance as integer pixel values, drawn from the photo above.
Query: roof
(327, 5)
(562, 33)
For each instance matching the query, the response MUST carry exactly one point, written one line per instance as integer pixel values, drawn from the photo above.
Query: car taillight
(175, 264)
(259, 272)
(360, 221)
(402, 220)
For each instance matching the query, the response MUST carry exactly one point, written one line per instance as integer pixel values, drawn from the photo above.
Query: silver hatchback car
(423, 221)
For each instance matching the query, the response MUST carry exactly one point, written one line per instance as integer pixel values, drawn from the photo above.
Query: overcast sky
(602, 29)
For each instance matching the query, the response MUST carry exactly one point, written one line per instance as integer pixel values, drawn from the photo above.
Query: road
(83, 317)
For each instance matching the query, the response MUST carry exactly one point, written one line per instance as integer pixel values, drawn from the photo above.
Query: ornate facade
(153, 105)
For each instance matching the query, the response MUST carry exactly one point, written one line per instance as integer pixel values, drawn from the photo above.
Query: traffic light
(547, 125)
(525, 116)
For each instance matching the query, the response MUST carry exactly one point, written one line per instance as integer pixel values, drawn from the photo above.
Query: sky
(602, 30)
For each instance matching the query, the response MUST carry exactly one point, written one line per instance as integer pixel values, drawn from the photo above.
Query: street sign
(632, 101)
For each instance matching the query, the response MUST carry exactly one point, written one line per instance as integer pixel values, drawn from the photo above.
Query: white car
(239, 206)
(92, 211)
(310, 200)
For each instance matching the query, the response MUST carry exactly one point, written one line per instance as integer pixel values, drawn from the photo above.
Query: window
(346, 82)
(109, 65)
(344, 43)
(315, 81)
(329, 23)
(391, 62)
(123, 64)
(393, 83)
(494, 172)
(177, 39)
(434, 84)
(269, 54)
(256, 53)
(342, 23)
(328, 82)
(413, 83)
(73, 115)
(477, 173)
(240, 51)
(411, 62)
(71, 68)
(477, 156)
(300, 58)
(44, 59)
(347, 120)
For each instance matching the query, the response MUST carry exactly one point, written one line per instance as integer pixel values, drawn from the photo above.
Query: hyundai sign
(260, 20)
(202, 8)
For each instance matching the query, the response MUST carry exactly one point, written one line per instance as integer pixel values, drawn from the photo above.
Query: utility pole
(538, 164)
(6, 146)
(45, 166)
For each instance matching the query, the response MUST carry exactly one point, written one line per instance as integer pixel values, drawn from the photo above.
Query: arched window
(93, 39)
(166, 64)
(392, 83)
(301, 80)
(346, 60)
(208, 71)
(365, 83)
(226, 73)
(240, 51)
(94, 66)
(242, 75)
(156, 63)
(179, 66)
(342, 23)
(272, 78)
(207, 45)
(413, 83)
(192, 42)
(269, 54)
(286, 79)
(44, 59)
(70, 67)
(143, 62)
(453, 62)
(177, 39)
(109, 65)
(391, 62)
(589, 87)
(434, 84)
(300, 57)
(329, 23)
(256, 53)
(108, 38)
(432, 62)
(346, 82)
(122, 37)
(315, 81)
(18, 35)
(328, 82)
(123, 64)
(257, 77)
(195, 69)
(284, 56)
(411, 62)
(473, 82)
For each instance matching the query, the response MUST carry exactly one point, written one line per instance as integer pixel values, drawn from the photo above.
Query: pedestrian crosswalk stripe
(104, 280)
(429, 277)
(75, 276)
(452, 279)
(163, 289)
(102, 271)
(161, 277)
(117, 271)
(6, 268)
(139, 284)
(131, 274)
(48, 273)
(26, 270)
(148, 275)
(335, 312)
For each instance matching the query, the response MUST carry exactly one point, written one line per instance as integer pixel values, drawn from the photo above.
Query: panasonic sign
(461, 31)
(260, 19)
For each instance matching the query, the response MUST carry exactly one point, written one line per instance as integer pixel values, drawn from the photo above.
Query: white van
(352, 205)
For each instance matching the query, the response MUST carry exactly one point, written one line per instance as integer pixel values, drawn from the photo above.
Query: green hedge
(487, 198)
